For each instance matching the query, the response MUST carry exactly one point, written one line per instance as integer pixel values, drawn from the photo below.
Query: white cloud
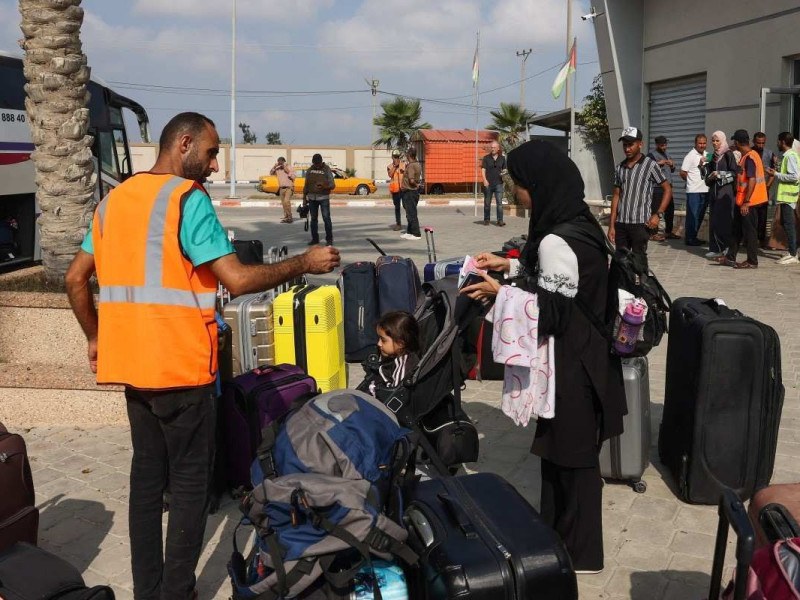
(295, 12)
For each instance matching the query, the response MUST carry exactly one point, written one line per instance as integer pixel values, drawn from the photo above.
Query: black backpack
(628, 271)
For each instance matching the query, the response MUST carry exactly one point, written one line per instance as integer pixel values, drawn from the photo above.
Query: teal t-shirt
(202, 237)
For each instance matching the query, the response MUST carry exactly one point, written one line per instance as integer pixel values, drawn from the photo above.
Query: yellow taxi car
(343, 184)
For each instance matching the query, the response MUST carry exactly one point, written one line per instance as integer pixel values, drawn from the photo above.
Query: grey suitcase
(625, 457)
(252, 331)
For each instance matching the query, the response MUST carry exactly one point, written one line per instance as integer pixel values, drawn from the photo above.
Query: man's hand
(486, 183)
(612, 234)
(320, 259)
(492, 262)
(769, 171)
(93, 355)
(652, 223)
(744, 209)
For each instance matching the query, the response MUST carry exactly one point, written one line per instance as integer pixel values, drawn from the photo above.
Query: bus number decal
(19, 117)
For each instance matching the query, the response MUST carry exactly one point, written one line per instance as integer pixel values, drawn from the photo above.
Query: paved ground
(656, 546)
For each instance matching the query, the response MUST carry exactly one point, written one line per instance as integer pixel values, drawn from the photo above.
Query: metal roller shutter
(678, 111)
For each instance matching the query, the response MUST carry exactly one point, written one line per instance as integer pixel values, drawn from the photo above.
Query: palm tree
(399, 121)
(57, 73)
(511, 122)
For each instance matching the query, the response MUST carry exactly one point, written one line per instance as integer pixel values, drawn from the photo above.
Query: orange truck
(448, 161)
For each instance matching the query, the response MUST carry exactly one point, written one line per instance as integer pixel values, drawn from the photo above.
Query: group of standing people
(404, 182)
(732, 183)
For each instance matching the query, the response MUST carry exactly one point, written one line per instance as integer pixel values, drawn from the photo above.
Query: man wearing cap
(751, 192)
(492, 167)
(667, 165)
(631, 206)
(285, 175)
(317, 196)
(770, 161)
(395, 171)
(696, 189)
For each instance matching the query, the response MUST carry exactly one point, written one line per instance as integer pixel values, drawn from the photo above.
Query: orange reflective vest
(394, 183)
(760, 192)
(156, 314)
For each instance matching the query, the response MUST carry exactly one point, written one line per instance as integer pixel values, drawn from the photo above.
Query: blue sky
(301, 64)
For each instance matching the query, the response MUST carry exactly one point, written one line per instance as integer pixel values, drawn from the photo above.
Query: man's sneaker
(411, 236)
(313, 242)
(501, 224)
(789, 259)
(486, 222)
(713, 254)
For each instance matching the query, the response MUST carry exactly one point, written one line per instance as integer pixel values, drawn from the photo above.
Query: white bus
(17, 186)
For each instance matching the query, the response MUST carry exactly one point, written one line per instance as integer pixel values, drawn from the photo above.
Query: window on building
(796, 100)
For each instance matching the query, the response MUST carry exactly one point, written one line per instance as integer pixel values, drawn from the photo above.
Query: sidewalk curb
(346, 203)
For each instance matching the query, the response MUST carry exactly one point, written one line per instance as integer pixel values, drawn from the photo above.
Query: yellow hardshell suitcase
(309, 333)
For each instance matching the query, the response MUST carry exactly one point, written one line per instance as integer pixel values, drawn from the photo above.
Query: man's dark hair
(411, 152)
(402, 327)
(662, 139)
(317, 159)
(186, 122)
(698, 136)
(759, 135)
(281, 159)
(787, 138)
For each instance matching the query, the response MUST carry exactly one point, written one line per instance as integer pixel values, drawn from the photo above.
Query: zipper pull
(3, 457)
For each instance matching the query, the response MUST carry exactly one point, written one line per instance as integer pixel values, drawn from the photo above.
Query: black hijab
(556, 189)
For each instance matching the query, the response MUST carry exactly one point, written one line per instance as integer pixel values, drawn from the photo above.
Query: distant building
(682, 67)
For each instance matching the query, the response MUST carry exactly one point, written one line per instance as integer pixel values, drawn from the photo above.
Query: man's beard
(193, 167)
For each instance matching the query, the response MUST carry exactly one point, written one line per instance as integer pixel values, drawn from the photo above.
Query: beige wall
(253, 161)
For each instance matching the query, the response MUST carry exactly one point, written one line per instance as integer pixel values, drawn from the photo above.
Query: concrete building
(682, 67)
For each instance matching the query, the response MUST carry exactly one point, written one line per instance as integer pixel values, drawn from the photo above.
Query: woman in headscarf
(720, 177)
(565, 263)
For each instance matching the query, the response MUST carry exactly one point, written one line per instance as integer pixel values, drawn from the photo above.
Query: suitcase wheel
(640, 487)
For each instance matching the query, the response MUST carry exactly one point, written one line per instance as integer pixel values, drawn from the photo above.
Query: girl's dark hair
(402, 328)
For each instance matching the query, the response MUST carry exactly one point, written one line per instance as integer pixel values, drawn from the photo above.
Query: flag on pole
(475, 68)
(567, 70)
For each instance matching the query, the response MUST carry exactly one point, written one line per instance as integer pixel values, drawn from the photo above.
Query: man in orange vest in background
(395, 171)
(159, 251)
(751, 192)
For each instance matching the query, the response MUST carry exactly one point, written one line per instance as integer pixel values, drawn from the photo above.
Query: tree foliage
(400, 120)
(248, 136)
(593, 120)
(273, 138)
(511, 122)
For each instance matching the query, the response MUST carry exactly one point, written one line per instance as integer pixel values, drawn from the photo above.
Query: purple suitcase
(251, 401)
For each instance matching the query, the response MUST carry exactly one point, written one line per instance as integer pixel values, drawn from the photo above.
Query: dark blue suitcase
(439, 269)
(399, 286)
(358, 286)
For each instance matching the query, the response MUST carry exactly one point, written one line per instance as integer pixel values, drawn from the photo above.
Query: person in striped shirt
(398, 343)
(631, 205)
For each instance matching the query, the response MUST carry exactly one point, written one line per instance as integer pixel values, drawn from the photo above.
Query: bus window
(123, 156)
(107, 152)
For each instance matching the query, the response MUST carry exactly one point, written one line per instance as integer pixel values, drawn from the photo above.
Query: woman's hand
(492, 262)
(485, 291)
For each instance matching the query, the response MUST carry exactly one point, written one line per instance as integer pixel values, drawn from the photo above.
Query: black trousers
(173, 440)
(410, 201)
(397, 199)
(744, 230)
(761, 222)
(633, 236)
(720, 222)
(572, 504)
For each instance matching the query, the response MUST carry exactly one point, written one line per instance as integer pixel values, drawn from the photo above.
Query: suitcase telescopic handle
(378, 248)
(732, 513)
(458, 514)
(431, 244)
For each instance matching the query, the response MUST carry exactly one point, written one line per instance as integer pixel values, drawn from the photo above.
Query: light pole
(568, 95)
(373, 84)
(232, 157)
(524, 54)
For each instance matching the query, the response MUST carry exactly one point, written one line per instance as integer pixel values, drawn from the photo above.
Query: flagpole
(572, 100)
(477, 96)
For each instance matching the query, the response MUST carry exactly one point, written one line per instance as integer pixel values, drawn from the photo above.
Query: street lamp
(232, 157)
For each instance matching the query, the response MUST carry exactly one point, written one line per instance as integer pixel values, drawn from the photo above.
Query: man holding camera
(286, 176)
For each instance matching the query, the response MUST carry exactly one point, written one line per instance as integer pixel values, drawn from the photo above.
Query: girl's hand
(492, 262)
(484, 291)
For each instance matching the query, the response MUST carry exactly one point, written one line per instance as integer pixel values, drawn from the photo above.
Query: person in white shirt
(696, 190)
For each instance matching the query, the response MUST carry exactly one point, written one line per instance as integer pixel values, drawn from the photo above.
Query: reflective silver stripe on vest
(157, 295)
(154, 253)
(101, 213)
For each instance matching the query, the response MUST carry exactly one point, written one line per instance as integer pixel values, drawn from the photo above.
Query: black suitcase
(30, 573)
(19, 517)
(722, 403)
(479, 539)
(359, 289)
(485, 369)
(249, 252)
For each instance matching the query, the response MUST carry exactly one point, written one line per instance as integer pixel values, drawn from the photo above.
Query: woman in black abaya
(565, 264)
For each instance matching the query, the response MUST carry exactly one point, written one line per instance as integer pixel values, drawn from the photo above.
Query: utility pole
(373, 84)
(568, 95)
(232, 157)
(524, 54)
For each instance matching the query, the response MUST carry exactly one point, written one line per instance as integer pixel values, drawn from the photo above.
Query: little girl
(398, 342)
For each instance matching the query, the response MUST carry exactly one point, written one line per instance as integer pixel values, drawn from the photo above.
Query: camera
(302, 210)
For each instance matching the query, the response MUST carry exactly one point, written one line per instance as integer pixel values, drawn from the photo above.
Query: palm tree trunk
(57, 74)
